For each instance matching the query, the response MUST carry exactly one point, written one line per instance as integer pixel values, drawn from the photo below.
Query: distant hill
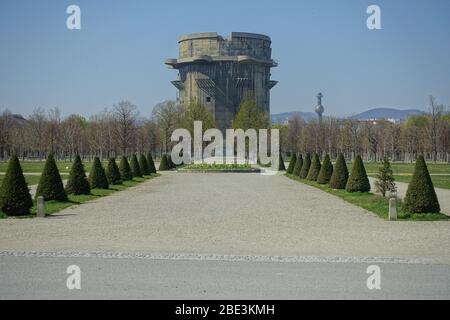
(372, 114)
(387, 113)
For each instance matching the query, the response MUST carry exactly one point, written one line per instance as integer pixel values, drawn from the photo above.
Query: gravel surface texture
(227, 214)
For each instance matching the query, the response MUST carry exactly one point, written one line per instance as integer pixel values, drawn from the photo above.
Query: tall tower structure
(219, 72)
(319, 108)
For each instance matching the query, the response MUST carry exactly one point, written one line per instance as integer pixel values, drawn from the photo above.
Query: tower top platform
(210, 47)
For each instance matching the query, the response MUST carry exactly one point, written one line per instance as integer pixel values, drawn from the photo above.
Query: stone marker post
(393, 209)
(40, 207)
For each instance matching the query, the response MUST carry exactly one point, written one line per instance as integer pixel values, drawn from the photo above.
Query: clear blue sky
(320, 45)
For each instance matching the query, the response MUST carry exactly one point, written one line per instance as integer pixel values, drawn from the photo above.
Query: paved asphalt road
(136, 278)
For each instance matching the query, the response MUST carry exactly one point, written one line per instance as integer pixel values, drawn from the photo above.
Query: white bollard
(392, 209)
(40, 207)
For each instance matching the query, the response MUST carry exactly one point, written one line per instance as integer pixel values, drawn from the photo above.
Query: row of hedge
(166, 163)
(15, 198)
(420, 197)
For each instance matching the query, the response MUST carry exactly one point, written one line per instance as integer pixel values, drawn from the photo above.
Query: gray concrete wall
(220, 72)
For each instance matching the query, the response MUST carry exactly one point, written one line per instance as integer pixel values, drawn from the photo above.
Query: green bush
(385, 178)
(421, 196)
(50, 184)
(291, 167)
(170, 162)
(15, 198)
(326, 171)
(298, 166)
(314, 169)
(151, 163)
(358, 180)
(113, 173)
(164, 165)
(78, 182)
(97, 177)
(135, 168)
(306, 166)
(339, 177)
(143, 164)
(125, 170)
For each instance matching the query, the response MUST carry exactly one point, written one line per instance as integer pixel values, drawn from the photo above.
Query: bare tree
(52, 130)
(436, 111)
(295, 125)
(121, 131)
(37, 124)
(168, 116)
(125, 116)
(6, 124)
(73, 129)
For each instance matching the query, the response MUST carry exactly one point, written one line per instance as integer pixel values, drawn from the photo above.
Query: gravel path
(227, 214)
(442, 194)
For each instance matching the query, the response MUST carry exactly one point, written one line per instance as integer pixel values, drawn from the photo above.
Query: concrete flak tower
(319, 108)
(220, 72)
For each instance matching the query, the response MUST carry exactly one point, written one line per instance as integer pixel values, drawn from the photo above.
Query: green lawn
(373, 203)
(52, 207)
(405, 168)
(32, 180)
(38, 166)
(408, 168)
(216, 166)
(442, 182)
(403, 172)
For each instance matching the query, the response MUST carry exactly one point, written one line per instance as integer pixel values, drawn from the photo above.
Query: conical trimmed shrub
(291, 166)
(339, 177)
(281, 166)
(113, 173)
(182, 160)
(306, 166)
(151, 163)
(143, 164)
(125, 170)
(50, 185)
(314, 170)
(169, 160)
(421, 196)
(97, 176)
(164, 165)
(358, 180)
(298, 166)
(78, 182)
(135, 168)
(15, 198)
(326, 171)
